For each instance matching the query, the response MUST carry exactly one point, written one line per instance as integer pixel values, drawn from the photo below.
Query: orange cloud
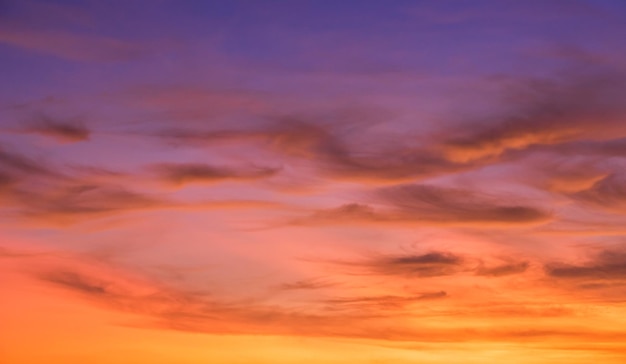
(547, 113)
(608, 193)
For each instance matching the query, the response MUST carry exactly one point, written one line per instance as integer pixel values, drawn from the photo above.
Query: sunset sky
(312, 181)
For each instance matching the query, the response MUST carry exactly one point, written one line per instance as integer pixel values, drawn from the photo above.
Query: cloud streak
(606, 265)
(609, 194)
(70, 46)
(181, 174)
(549, 112)
(430, 264)
(64, 131)
(431, 205)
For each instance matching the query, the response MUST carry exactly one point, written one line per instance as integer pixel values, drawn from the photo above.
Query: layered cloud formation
(418, 182)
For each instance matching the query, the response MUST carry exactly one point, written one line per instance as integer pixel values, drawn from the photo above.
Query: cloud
(19, 174)
(71, 46)
(42, 192)
(305, 285)
(160, 305)
(611, 147)
(432, 205)
(606, 265)
(190, 103)
(73, 203)
(431, 264)
(434, 264)
(9, 253)
(64, 131)
(175, 308)
(381, 303)
(435, 203)
(185, 173)
(39, 190)
(547, 112)
(331, 148)
(77, 282)
(327, 148)
(503, 269)
(566, 174)
(348, 213)
(6, 181)
(609, 193)
(559, 114)
(17, 164)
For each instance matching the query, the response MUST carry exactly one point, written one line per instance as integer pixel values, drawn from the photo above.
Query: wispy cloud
(324, 145)
(431, 264)
(609, 193)
(77, 282)
(75, 202)
(548, 112)
(62, 130)
(432, 205)
(171, 308)
(67, 45)
(180, 174)
(503, 269)
(606, 265)
(305, 284)
(15, 163)
(382, 303)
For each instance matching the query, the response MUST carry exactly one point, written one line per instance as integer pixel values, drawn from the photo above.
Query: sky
(312, 181)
